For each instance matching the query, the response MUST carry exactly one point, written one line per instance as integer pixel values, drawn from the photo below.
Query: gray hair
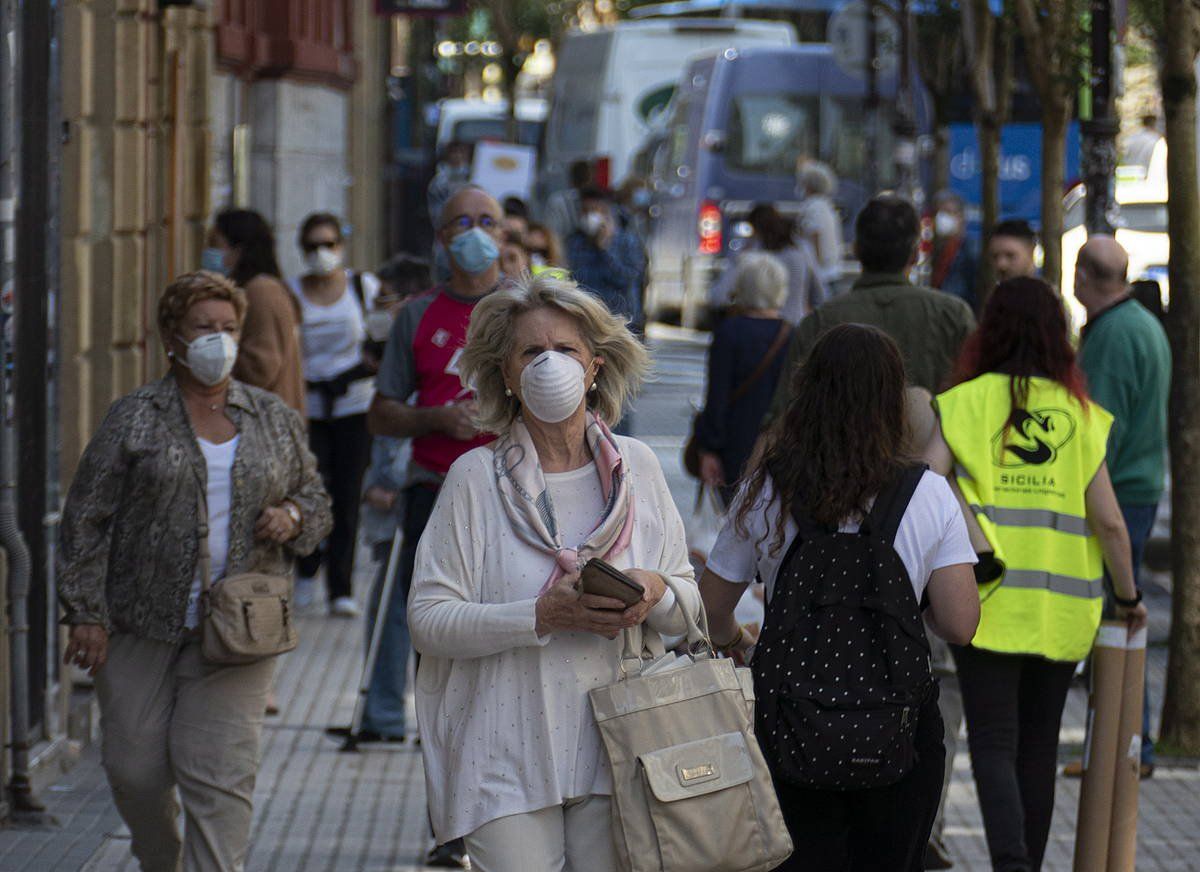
(761, 281)
(817, 178)
(490, 342)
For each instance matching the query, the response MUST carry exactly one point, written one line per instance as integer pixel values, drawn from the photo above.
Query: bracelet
(1127, 603)
(293, 512)
(732, 643)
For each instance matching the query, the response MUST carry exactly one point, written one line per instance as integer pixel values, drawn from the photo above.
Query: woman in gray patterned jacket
(130, 580)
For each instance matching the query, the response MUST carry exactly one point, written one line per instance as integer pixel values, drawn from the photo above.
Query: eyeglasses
(466, 222)
(310, 247)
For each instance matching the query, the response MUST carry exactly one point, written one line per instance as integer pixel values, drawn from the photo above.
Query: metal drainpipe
(20, 787)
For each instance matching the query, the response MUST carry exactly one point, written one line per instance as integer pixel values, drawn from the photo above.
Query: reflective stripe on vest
(1024, 477)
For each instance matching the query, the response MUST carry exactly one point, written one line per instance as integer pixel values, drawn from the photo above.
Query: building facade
(137, 120)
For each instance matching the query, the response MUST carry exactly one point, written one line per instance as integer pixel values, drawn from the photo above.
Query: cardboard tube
(1100, 748)
(1122, 838)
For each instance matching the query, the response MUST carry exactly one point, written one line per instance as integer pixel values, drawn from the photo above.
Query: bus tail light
(709, 227)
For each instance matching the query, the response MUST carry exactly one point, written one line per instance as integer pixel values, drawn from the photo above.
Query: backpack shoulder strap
(890, 505)
(356, 282)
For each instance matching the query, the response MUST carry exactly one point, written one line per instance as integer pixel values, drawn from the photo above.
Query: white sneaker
(306, 590)
(344, 607)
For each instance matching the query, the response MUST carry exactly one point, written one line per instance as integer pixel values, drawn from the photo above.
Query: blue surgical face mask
(213, 260)
(474, 251)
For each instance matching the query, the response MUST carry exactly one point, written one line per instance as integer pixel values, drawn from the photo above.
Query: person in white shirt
(840, 443)
(338, 312)
(818, 219)
(509, 646)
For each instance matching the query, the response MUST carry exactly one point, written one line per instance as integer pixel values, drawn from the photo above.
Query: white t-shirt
(578, 503)
(218, 458)
(932, 534)
(817, 217)
(331, 339)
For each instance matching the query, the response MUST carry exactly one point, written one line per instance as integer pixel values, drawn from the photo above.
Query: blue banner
(1020, 169)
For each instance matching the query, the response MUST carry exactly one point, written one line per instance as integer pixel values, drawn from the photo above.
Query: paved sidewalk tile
(318, 809)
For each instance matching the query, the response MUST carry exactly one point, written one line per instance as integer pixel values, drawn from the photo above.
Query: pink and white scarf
(529, 508)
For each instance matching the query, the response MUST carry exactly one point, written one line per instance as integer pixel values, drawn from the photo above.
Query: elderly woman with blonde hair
(510, 646)
(745, 361)
(131, 584)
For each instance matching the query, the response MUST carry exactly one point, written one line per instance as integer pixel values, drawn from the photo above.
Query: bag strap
(890, 505)
(781, 338)
(356, 282)
(205, 556)
(640, 639)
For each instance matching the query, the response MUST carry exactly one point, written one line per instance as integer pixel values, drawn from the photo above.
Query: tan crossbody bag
(691, 789)
(245, 618)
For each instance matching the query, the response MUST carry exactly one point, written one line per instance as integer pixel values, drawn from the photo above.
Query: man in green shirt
(928, 326)
(1127, 360)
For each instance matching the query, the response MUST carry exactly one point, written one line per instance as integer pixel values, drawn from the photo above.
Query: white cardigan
(506, 725)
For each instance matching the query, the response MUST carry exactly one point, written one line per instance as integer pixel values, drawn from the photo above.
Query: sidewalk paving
(318, 809)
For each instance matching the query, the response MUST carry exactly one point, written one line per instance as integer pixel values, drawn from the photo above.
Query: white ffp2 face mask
(552, 386)
(211, 357)
(323, 261)
(379, 325)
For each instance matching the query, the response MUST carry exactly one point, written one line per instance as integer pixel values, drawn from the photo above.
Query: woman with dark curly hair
(1027, 448)
(839, 445)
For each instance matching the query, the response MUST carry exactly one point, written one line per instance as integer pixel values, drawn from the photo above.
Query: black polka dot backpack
(841, 668)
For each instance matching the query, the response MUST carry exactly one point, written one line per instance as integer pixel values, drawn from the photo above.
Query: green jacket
(1127, 360)
(929, 326)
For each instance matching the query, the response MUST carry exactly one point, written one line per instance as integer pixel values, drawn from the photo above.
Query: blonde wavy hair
(490, 342)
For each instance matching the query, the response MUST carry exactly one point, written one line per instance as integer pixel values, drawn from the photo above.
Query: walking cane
(385, 599)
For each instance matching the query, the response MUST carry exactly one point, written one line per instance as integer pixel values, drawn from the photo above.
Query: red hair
(1023, 334)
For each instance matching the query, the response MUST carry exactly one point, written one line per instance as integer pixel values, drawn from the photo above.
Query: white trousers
(573, 837)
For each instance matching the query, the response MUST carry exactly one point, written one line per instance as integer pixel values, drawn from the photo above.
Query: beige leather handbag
(245, 618)
(691, 790)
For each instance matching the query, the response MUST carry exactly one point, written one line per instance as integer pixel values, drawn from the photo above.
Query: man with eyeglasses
(418, 394)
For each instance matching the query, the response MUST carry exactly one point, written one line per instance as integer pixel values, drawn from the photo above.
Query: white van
(608, 83)
(468, 120)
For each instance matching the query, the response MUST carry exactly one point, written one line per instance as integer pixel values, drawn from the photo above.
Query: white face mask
(593, 223)
(323, 261)
(552, 386)
(945, 224)
(210, 357)
(379, 324)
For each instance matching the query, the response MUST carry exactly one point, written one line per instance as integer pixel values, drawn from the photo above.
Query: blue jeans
(384, 711)
(1139, 521)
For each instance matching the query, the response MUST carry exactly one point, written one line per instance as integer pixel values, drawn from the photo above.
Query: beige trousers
(573, 837)
(171, 720)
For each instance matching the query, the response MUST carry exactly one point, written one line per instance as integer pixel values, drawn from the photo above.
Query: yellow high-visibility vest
(1025, 482)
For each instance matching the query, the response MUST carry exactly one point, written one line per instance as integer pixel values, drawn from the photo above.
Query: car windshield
(768, 132)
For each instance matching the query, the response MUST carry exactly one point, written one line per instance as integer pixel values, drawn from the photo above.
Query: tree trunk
(1056, 115)
(1181, 707)
(989, 128)
(941, 158)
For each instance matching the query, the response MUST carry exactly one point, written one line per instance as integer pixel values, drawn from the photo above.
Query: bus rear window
(475, 129)
(766, 133)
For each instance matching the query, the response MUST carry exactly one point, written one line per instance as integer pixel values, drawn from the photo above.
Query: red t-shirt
(422, 360)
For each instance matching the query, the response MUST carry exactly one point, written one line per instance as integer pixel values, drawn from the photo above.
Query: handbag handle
(636, 640)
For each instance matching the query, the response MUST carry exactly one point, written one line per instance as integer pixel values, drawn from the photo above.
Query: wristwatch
(1127, 603)
(293, 512)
